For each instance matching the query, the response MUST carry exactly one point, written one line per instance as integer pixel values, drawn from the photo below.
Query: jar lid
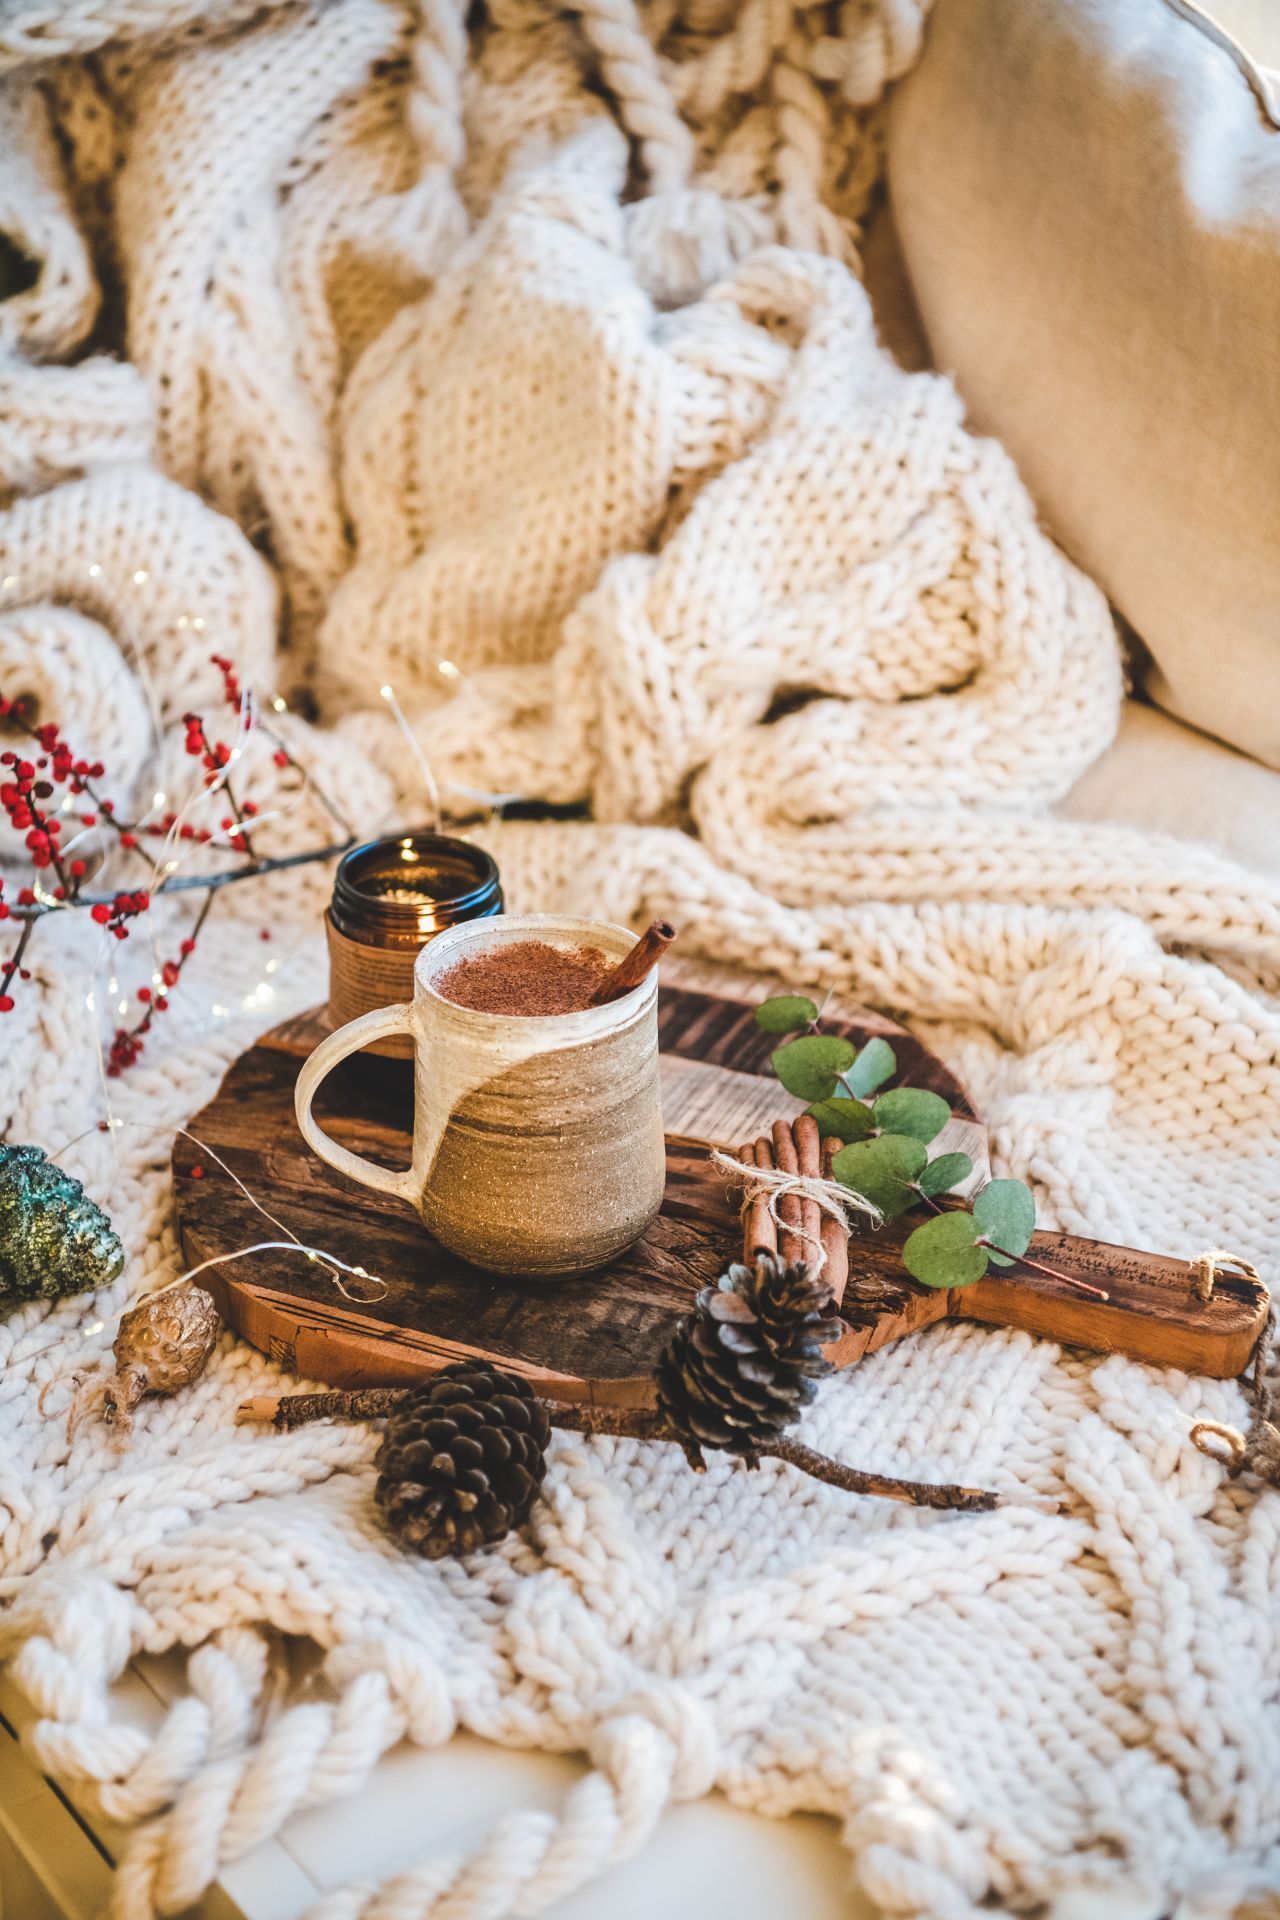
(410, 885)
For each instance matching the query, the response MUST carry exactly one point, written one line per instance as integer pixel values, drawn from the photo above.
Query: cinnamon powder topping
(528, 977)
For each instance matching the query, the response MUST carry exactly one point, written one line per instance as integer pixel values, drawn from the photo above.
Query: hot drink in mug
(538, 1146)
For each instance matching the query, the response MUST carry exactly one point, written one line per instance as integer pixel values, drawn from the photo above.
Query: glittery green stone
(54, 1241)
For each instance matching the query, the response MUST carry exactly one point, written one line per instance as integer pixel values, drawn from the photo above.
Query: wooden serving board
(596, 1339)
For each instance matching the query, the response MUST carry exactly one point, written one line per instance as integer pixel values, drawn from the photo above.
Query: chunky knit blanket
(357, 340)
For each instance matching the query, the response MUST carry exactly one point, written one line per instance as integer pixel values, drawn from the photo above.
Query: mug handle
(361, 1032)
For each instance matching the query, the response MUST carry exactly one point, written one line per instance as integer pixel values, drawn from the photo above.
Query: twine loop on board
(1208, 1266)
(838, 1202)
(1257, 1451)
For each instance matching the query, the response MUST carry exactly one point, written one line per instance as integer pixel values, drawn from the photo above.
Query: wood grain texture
(596, 1339)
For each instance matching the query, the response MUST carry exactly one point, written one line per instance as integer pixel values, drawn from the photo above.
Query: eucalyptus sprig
(887, 1133)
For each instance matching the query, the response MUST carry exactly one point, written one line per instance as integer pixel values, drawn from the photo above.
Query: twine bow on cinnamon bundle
(793, 1207)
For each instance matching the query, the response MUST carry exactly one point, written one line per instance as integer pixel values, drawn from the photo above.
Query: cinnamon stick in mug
(636, 965)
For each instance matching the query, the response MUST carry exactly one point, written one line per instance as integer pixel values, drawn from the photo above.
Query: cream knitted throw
(540, 351)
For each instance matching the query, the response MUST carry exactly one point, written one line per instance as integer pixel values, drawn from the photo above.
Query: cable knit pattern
(534, 345)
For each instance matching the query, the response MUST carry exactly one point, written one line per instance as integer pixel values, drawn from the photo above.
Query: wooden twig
(284, 1411)
(287, 1411)
(195, 882)
(14, 963)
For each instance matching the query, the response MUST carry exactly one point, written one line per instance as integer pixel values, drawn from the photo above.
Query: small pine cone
(461, 1460)
(740, 1367)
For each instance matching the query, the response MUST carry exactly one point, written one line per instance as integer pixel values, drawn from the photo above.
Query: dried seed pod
(162, 1345)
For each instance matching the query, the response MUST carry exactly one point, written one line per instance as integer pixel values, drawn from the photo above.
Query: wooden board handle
(1154, 1312)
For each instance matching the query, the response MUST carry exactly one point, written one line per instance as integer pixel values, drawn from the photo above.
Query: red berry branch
(39, 789)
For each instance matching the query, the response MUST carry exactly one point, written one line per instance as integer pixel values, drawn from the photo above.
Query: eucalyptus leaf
(811, 1066)
(1006, 1213)
(786, 1013)
(943, 1253)
(884, 1171)
(912, 1110)
(876, 1063)
(845, 1119)
(944, 1173)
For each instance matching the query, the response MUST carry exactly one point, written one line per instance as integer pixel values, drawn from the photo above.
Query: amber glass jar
(389, 898)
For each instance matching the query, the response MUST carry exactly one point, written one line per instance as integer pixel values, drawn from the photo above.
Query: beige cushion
(1088, 198)
(1168, 778)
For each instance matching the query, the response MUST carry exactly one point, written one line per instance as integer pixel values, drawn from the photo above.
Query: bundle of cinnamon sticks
(796, 1148)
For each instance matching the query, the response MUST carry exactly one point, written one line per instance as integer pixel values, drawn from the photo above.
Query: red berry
(6, 1003)
(188, 946)
(128, 840)
(162, 1005)
(281, 759)
(4, 909)
(77, 869)
(25, 897)
(197, 1173)
(144, 994)
(88, 819)
(265, 934)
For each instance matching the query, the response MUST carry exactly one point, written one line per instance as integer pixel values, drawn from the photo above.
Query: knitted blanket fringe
(523, 366)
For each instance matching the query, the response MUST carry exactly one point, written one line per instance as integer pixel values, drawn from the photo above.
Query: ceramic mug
(538, 1147)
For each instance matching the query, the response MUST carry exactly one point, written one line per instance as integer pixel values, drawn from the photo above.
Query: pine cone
(461, 1460)
(739, 1368)
(54, 1241)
